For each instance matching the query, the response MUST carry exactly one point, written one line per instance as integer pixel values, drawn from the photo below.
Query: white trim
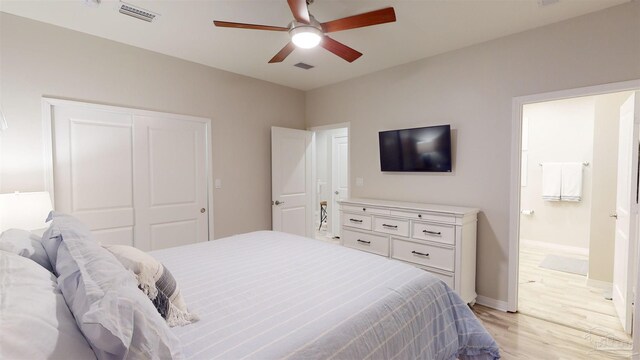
(314, 129)
(47, 141)
(47, 137)
(556, 247)
(492, 303)
(514, 192)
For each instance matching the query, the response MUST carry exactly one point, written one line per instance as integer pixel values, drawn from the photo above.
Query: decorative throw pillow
(156, 282)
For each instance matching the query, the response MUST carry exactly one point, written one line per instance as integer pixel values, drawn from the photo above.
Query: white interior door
(291, 181)
(93, 177)
(173, 211)
(135, 177)
(339, 178)
(626, 209)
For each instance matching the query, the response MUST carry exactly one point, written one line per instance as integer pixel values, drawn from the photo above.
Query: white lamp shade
(26, 211)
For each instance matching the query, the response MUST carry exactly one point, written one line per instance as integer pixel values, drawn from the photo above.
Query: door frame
(514, 195)
(48, 103)
(314, 158)
(335, 216)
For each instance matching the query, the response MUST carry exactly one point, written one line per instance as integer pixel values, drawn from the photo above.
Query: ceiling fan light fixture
(306, 37)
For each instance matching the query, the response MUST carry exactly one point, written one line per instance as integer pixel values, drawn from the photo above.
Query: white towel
(551, 181)
(571, 182)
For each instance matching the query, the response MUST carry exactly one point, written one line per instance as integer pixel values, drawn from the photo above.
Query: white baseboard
(492, 303)
(552, 246)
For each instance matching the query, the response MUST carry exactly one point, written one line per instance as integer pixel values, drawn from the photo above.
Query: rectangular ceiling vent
(136, 12)
(302, 65)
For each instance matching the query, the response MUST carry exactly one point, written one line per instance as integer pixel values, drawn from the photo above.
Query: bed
(261, 295)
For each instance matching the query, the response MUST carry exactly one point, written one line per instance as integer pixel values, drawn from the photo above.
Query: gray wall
(38, 59)
(472, 89)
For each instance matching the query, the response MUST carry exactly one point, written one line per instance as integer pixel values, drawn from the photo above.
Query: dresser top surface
(458, 210)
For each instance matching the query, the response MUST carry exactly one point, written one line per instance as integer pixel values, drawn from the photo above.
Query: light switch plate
(218, 184)
(359, 181)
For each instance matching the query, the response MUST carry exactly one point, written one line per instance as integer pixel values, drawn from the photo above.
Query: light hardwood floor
(560, 316)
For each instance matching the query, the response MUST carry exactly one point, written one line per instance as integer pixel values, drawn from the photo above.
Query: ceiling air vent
(302, 65)
(137, 12)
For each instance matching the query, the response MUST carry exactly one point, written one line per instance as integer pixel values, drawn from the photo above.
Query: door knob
(278, 202)
(203, 210)
(613, 215)
(337, 193)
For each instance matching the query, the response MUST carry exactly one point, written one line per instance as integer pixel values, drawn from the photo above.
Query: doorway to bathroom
(576, 161)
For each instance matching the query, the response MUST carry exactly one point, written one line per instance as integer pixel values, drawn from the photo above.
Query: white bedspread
(269, 295)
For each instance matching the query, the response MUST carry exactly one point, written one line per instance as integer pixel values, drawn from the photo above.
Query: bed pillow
(16, 241)
(117, 319)
(155, 280)
(25, 243)
(35, 321)
(52, 238)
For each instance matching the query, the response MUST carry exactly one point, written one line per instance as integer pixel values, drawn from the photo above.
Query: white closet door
(170, 164)
(93, 170)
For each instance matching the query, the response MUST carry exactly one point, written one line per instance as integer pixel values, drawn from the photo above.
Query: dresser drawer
(356, 221)
(423, 254)
(445, 234)
(391, 226)
(376, 244)
(424, 216)
(365, 210)
(448, 278)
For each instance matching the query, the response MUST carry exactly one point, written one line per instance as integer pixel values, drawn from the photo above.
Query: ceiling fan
(306, 32)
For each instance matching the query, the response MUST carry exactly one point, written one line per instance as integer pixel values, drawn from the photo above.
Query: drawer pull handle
(390, 226)
(419, 253)
(355, 220)
(364, 241)
(432, 232)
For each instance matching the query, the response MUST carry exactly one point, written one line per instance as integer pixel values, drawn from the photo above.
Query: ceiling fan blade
(282, 54)
(357, 21)
(340, 49)
(248, 26)
(299, 10)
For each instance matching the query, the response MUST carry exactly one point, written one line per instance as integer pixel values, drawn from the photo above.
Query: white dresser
(439, 239)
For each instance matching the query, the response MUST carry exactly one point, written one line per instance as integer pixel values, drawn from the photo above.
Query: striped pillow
(156, 282)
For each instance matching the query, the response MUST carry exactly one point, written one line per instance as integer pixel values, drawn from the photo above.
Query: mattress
(270, 295)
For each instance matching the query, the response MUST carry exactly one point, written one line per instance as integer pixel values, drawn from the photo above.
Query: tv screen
(419, 149)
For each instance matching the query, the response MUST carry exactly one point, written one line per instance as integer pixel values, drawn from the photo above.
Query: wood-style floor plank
(560, 316)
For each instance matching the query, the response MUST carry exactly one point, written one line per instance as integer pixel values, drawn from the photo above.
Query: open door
(624, 266)
(291, 181)
(339, 178)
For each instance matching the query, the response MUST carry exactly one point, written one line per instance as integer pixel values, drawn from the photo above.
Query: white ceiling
(184, 29)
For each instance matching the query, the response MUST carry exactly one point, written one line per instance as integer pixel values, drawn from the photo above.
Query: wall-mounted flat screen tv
(420, 149)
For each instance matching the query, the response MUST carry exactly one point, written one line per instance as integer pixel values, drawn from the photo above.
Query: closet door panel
(174, 210)
(93, 162)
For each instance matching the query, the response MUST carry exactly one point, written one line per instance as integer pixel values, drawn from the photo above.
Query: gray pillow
(155, 280)
(117, 319)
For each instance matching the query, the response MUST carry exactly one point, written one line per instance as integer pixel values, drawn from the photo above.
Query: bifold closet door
(93, 170)
(172, 157)
(134, 180)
